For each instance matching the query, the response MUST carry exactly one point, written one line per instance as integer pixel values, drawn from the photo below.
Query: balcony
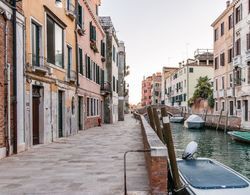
(230, 92)
(221, 93)
(72, 77)
(215, 94)
(248, 55)
(106, 88)
(38, 64)
(237, 61)
(71, 11)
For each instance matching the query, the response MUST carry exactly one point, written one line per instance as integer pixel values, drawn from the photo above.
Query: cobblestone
(90, 162)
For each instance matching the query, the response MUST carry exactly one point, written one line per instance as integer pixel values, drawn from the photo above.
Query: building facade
(111, 73)
(180, 84)
(146, 91)
(156, 89)
(12, 78)
(51, 96)
(91, 64)
(232, 61)
(223, 62)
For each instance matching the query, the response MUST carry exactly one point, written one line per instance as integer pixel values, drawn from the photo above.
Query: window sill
(57, 67)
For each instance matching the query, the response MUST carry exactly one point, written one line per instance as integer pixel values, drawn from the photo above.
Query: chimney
(228, 3)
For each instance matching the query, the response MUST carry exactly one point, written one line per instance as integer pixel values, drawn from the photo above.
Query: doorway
(36, 114)
(80, 113)
(231, 108)
(246, 109)
(60, 113)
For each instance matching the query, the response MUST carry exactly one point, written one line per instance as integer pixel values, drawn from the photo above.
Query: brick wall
(3, 89)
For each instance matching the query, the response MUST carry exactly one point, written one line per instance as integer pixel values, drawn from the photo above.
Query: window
(113, 83)
(223, 106)
(216, 106)
(222, 29)
(117, 86)
(36, 44)
(216, 60)
(248, 6)
(238, 76)
(54, 43)
(231, 108)
(94, 71)
(216, 36)
(238, 47)
(230, 55)
(238, 14)
(92, 32)
(248, 41)
(97, 74)
(73, 106)
(230, 22)
(222, 83)
(80, 16)
(103, 48)
(69, 60)
(231, 80)
(191, 70)
(222, 59)
(238, 104)
(216, 84)
(102, 77)
(248, 73)
(88, 105)
(114, 53)
(80, 61)
(69, 5)
(88, 67)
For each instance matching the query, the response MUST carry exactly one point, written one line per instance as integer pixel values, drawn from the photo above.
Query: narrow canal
(214, 144)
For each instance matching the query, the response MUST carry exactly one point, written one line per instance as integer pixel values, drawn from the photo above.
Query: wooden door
(60, 114)
(246, 109)
(35, 114)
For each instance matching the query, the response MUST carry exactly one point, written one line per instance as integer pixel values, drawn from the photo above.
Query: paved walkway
(88, 163)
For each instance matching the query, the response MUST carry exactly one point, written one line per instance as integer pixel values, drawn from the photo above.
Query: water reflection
(214, 144)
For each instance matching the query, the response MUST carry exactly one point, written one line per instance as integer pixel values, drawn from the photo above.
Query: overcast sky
(160, 33)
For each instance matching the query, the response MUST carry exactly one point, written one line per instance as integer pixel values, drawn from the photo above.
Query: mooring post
(205, 118)
(171, 152)
(158, 124)
(151, 117)
(226, 123)
(218, 124)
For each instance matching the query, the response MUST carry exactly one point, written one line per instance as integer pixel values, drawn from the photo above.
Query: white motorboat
(194, 122)
(176, 119)
(204, 176)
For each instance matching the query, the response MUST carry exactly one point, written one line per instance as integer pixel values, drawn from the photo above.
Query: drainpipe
(233, 75)
(14, 77)
(76, 37)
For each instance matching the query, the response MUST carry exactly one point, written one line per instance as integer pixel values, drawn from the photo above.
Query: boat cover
(195, 119)
(205, 174)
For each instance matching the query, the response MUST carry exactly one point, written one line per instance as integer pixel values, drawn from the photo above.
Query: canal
(214, 144)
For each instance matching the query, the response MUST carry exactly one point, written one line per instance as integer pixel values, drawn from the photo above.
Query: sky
(160, 33)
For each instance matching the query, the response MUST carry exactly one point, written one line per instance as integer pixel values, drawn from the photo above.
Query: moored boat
(194, 122)
(176, 119)
(242, 136)
(205, 176)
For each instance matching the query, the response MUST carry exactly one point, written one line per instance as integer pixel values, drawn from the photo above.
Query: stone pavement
(90, 163)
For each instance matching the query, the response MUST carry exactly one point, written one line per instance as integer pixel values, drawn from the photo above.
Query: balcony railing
(237, 60)
(106, 88)
(71, 11)
(221, 93)
(72, 75)
(38, 63)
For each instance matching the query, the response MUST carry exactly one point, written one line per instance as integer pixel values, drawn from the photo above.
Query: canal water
(214, 144)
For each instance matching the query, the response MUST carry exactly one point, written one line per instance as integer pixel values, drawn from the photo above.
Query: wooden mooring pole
(218, 124)
(151, 117)
(158, 124)
(171, 152)
(226, 123)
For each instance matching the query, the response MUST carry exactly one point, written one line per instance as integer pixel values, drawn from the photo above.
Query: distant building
(156, 89)
(179, 86)
(111, 73)
(146, 91)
